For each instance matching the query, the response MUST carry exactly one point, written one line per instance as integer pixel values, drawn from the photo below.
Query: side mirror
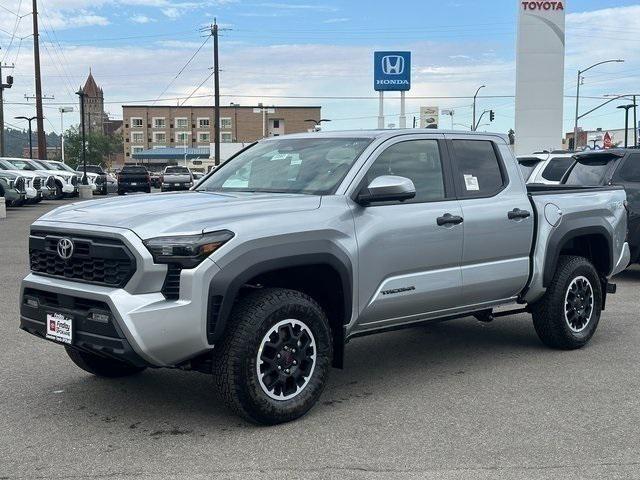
(387, 188)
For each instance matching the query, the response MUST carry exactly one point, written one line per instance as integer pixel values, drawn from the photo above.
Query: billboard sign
(392, 71)
(429, 117)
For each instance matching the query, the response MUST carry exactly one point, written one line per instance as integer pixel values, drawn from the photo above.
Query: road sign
(607, 141)
(392, 71)
(429, 117)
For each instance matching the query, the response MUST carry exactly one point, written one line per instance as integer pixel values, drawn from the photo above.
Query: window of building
(159, 122)
(137, 137)
(159, 137)
(225, 123)
(136, 122)
(135, 150)
(418, 160)
(182, 122)
(182, 137)
(276, 124)
(478, 172)
(226, 137)
(204, 137)
(204, 122)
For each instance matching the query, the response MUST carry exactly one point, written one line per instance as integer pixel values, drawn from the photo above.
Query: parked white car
(545, 168)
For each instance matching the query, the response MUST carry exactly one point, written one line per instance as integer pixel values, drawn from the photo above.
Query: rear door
(498, 221)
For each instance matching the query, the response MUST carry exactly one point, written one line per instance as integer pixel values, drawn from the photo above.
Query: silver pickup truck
(263, 272)
(176, 178)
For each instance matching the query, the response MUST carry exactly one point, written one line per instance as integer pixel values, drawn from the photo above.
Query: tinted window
(92, 169)
(589, 171)
(630, 171)
(556, 168)
(21, 165)
(184, 170)
(418, 160)
(306, 165)
(527, 166)
(134, 169)
(478, 170)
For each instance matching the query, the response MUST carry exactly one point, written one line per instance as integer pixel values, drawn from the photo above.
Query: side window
(478, 170)
(556, 168)
(630, 171)
(418, 160)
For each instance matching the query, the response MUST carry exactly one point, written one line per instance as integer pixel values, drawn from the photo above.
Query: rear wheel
(59, 194)
(274, 360)
(101, 366)
(568, 314)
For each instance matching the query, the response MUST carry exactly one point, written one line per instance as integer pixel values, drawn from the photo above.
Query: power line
(196, 89)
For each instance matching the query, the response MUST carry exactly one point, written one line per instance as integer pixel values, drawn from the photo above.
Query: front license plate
(176, 184)
(59, 328)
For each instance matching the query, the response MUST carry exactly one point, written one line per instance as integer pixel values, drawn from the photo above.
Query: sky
(305, 52)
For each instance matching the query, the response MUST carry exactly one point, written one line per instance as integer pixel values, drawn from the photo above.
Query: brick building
(150, 126)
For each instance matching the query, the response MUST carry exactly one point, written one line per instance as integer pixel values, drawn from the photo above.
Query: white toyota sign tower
(540, 75)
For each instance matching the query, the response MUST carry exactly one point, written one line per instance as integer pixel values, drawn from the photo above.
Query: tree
(99, 147)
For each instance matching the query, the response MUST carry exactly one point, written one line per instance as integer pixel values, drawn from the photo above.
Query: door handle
(517, 214)
(448, 219)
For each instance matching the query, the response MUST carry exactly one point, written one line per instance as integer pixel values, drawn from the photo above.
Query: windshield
(184, 170)
(91, 169)
(134, 169)
(21, 164)
(589, 171)
(61, 166)
(305, 165)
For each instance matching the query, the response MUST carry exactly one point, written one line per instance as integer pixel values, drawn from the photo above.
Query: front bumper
(30, 193)
(68, 188)
(176, 186)
(161, 332)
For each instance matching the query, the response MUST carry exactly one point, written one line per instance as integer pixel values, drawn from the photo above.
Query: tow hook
(485, 316)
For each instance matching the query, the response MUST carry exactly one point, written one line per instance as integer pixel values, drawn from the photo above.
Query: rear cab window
(133, 169)
(590, 170)
(178, 170)
(478, 172)
(528, 165)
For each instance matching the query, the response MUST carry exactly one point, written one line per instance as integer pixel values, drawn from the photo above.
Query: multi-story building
(150, 126)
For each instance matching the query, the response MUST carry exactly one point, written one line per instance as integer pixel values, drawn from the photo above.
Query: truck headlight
(189, 250)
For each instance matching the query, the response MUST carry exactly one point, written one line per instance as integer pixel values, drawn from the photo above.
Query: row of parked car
(24, 181)
(137, 178)
(617, 166)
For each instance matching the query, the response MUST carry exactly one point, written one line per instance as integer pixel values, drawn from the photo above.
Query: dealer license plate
(59, 328)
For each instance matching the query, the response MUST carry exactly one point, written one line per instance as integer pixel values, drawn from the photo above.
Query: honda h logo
(393, 65)
(65, 248)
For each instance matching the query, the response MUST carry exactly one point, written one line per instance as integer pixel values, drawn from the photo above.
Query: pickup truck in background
(37, 186)
(176, 178)
(299, 244)
(65, 184)
(133, 178)
(616, 166)
(12, 188)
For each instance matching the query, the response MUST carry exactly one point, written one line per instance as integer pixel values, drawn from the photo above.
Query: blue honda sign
(392, 71)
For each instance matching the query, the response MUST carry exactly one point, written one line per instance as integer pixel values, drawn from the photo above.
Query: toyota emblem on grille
(65, 248)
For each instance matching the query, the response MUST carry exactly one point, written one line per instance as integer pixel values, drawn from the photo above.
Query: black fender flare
(570, 229)
(226, 284)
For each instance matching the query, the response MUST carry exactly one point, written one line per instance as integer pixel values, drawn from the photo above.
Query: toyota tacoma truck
(263, 273)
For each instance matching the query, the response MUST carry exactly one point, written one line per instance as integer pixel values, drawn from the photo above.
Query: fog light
(31, 301)
(100, 317)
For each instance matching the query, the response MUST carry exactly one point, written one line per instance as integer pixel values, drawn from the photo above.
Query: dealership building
(149, 127)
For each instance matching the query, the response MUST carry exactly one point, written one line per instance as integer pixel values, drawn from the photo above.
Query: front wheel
(101, 366)
(274, 360)
(567, 316)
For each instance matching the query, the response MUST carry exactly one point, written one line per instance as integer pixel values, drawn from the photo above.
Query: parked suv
(300, 243)
(547, 168)
(613, 167)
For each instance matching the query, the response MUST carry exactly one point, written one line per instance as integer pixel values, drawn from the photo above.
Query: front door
(409, 261)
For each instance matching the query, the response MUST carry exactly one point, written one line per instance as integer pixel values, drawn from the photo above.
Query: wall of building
(166, 126)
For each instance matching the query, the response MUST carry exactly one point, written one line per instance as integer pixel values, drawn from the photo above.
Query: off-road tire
(549, 312)
(235, 357)
(101, 366)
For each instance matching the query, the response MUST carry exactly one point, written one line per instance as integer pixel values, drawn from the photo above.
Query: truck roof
(388, 133)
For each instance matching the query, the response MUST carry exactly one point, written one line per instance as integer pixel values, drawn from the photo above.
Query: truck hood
(162, 214)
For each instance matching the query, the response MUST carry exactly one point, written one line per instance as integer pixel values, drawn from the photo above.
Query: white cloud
(142, 19)
(337, 20)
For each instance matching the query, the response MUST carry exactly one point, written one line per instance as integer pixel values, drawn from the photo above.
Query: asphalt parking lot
(459, 399)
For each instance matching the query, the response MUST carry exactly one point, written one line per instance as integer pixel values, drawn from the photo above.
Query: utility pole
(2, 87)
(216, 94)
(42, 139)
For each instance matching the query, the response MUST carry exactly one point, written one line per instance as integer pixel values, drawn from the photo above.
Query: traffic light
(492, 115)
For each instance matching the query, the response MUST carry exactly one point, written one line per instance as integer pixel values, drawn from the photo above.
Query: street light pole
(473, 124)
(626, 109)
(29, 120)
(63, 110)
(85, 181)
(580, 72)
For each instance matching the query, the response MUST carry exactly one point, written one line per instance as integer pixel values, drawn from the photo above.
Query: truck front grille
(37, 183)
(97, 260)
(20, 185)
